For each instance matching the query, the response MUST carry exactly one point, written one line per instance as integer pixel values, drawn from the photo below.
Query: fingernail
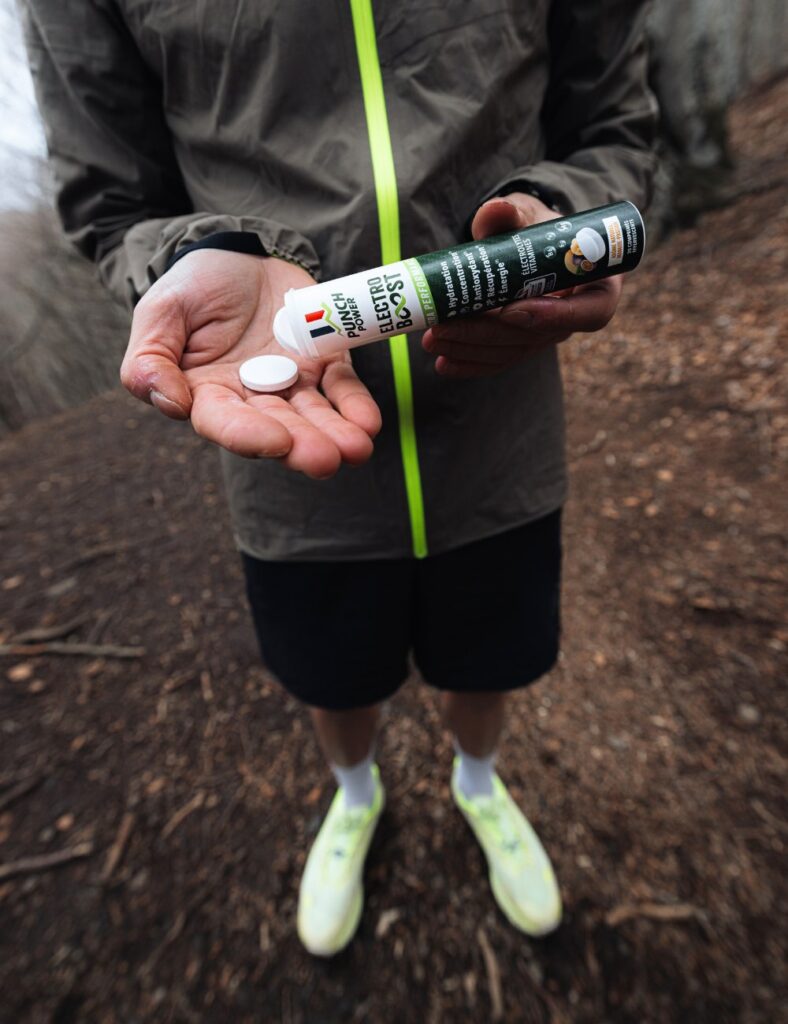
(522, 317)
(166, 405)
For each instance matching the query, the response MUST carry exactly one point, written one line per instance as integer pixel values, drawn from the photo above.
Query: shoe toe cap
(325, 921)
(322, 938)
(535, 905)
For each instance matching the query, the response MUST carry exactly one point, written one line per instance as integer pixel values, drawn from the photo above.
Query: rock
(749, 714)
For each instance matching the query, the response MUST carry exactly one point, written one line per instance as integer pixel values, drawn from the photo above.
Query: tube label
(539, 259)
(359, 308)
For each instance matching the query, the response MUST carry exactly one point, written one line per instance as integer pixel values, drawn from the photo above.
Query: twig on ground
(175, 930)
(493, 975)
(598, 442)
(767, 816)
(386, 920)
(31, 865)
(79, 649)
(236, 798)
(94, 553)
(43, 633)
(657, 911)
(99, 625)
(205, 686)
(19, 790)
(196, 801)
(115, 852)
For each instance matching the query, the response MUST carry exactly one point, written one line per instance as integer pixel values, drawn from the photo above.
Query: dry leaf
(21, 672)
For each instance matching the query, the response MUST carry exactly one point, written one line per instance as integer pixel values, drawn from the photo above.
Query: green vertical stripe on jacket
(385, 178)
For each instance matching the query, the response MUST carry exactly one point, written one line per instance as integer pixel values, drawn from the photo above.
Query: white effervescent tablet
(268, 373)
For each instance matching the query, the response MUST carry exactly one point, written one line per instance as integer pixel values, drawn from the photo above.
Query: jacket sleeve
(120, 195)
(599, 115)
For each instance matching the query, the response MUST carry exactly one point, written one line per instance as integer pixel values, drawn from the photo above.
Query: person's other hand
(480, 345)
(196, 325)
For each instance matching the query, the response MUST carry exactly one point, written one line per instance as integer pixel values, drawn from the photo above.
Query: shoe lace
(344, 834)
(502, 827)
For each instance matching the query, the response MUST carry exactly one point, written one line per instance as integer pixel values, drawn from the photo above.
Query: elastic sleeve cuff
(246, 242)
(585, 179)
(541, 192)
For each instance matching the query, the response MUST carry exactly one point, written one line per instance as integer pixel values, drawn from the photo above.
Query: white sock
(475, 774)
(357, 782)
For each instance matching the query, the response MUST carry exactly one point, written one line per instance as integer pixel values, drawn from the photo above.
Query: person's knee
(463, 707)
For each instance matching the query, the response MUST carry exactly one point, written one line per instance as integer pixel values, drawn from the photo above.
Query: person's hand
(196, 325)
(480, 345)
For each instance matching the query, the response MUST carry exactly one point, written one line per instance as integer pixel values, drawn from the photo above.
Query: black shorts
(483, 617)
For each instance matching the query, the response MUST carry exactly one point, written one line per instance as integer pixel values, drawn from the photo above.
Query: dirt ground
(185, 787)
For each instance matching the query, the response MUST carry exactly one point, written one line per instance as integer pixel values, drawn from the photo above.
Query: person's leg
(336, 635)
(476, 722)
(347, 740)
(488, 622)
(476, 719)
(346, 737)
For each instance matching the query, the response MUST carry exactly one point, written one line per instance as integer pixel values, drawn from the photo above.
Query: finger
(312, 452)
(487, 332)
(220, 415)
(155, 380)
(351, 398)
(589, 308)
(465, 368)
(486, 351)
(516, 210)
(354, 444)
(496, 216)
(150, 368)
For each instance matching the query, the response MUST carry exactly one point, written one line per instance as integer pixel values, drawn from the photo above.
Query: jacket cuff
(150, 247)
(246, 242)
(530, 188)
(584, 181)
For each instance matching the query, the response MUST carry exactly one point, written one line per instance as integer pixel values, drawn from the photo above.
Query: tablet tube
(416, 293)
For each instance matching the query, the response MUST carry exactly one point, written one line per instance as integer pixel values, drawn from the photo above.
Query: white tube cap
(283, 331)
(268, 373)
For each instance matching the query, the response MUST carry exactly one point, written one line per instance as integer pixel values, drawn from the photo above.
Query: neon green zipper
(385, 178)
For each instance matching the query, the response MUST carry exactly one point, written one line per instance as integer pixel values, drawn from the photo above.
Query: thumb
(155, 379)
(496, 216)
(150, 368)
(517, 210)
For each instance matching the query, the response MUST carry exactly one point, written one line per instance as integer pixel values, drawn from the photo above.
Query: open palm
(198, 323)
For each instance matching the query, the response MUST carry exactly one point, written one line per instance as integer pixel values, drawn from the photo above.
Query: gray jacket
(167, 122)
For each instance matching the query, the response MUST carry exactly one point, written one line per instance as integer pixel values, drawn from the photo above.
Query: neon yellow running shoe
(521, 875)
(331, 895)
